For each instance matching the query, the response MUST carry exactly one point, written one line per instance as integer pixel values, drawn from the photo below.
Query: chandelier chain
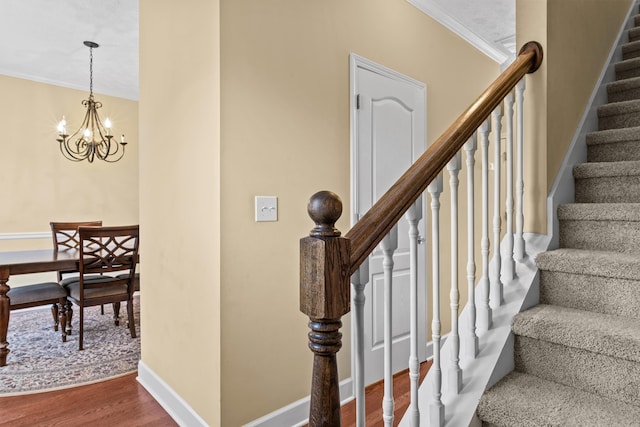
(91, 72)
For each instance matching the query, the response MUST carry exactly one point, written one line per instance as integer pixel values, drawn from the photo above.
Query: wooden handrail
(378, 221)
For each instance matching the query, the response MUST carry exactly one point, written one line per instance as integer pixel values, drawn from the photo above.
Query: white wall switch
(266, 208)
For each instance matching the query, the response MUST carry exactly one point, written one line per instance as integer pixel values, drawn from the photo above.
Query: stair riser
(610, 189)
(617, 121)
(630, 52)
(591, 293)
(614, 152)
(628, 73)
(624, 95)
(621, 236)
(606, 376)
(634, 34)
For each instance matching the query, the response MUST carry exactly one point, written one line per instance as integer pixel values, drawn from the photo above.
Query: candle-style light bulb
(122, 138)
(62, 126)
(107, 125)
(87, 134)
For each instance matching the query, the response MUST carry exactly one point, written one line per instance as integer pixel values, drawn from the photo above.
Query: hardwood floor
(124, 402)
(118, 402)
(373, 398)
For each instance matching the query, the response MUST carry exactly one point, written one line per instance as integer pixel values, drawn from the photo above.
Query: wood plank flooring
(124, 402)
(373, 398)
(118, 402)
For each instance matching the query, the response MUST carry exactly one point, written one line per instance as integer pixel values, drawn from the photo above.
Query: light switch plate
(266, 208)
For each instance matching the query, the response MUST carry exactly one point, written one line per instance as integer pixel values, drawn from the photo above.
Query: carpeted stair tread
(631, 50)
(593, 372)
(613, 135)
(521, 400)
(614, 145)
(615, 115)
(600, 226)
(606, 169)
(600, 212)
(607, 182)
(613, 336)
(627, 69)
(624, 90)
(634, 34)
(590, 262)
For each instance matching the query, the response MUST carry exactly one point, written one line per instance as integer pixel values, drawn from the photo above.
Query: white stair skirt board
(297, 413)
(175, 406)
(482, 372)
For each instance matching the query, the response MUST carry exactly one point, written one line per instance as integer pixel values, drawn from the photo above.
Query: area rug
(39, 360)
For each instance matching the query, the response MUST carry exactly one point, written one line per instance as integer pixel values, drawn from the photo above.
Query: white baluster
(484, 311)
(471, 337)
(389, 244)
(413, 216)
(359, 280)
(508, 264)
(519, 250)
(496, 299)
(437, 408)
(455, 373)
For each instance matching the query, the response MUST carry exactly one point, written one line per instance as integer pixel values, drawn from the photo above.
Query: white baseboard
(296, 414)
(175, 406)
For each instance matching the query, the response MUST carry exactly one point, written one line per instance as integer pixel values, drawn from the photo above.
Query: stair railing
(328, 260)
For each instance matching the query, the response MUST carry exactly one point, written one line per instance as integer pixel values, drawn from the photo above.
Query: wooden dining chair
(105, 251)
(65, 238)
(38, 294)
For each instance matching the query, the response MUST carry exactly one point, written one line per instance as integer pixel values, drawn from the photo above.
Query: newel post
(324, 297)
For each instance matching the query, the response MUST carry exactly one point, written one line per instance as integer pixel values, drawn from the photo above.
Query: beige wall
(577, 37)
(285, 132)
(179, 198)
(38, 184)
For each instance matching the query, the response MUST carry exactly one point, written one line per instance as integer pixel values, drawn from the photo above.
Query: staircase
(577, 353)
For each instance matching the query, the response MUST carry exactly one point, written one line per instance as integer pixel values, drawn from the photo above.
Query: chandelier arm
(113, 160)
(68, 155)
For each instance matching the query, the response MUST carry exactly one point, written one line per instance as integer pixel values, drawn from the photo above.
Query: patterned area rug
(40, 361)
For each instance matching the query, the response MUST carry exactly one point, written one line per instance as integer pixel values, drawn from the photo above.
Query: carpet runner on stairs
(577, 354)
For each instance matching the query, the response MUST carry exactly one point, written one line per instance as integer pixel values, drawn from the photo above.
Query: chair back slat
(65, 237)
(108, 249)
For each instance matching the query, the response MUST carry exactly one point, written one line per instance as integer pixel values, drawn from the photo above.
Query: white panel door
(389, 134)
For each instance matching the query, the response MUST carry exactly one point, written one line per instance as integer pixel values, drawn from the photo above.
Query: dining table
(27, 262)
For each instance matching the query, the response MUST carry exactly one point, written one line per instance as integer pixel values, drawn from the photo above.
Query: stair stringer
(496, 354)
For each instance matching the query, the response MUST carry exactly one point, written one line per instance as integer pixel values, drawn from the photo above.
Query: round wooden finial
(325, 209)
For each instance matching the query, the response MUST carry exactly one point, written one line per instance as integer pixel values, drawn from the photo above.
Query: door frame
(355, 62)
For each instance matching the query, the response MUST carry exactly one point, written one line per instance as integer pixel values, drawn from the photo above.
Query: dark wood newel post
(324, 297)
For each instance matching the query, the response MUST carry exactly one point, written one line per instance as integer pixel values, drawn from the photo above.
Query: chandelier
(93, 138)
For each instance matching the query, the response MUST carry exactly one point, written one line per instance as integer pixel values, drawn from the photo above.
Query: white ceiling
(492, 20)
(41, 40)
